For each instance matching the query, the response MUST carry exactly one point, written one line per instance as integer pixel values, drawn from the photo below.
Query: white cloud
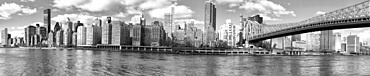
(153, 4)
(268, 18)
(196, 22)
(133, 11)
(320, 12)
(27, 0)
(229, 1)
(121, 14)
(181, 11)
(266, 7)
(29, 11)
(233, 5)
(101, 5)
(90, 5)
(7, 9)
(82, 17)
(231, 10)
(262, 6)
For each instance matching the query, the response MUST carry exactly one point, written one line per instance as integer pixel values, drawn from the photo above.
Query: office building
(36, 40)
(107, 33)
(157, 34)
(4, 36)
(81, 35)
(278, 43)
(120, 33)
(75, 25)
(93, 35)
(353, 44)
(209, 23)
(67, 41)
(137, 36)
(74, 38)
(227, 33)
(337, 41)
(327, 41)
(344, 47)
(59, 38)
(198, 37)
(42, 31)
(147, 31)
(98, 22)
(313, 42)
(67, 25)
(256, 18)
(168, 22)
(57, 27)
(51, 39)
(19, 40)
(296, 37)
(47, 20)
(67, 32)
(29, 32)
(300, 44)
(366, 42)
(10, 41)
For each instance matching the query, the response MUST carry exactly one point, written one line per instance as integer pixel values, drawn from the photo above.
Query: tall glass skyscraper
(47, 18)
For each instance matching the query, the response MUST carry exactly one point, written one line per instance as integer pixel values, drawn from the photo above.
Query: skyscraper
(67, 41)
(57, 27)
(29, 32)
(313, 42)
(120, 33)
(75, 25)
(67, 32)
(327, 41)
(107, 32)
(157, 34)
(209, 22)
(137, 35)
(147, 31)
(81, 35)
(42, 31)
(93, 35)
(4, 36)
(337, 41)
(168, 22)
(47, 18)
(59, 36)
(353, 43)
(74, 38)
(98, 22)
(51, 39)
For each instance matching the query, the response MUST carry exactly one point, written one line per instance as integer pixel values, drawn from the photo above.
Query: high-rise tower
(47, 18)
(209, 23)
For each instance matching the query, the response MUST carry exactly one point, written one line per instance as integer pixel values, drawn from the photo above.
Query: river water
(62, 62)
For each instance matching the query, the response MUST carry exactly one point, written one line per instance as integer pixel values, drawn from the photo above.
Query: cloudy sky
(16, 14)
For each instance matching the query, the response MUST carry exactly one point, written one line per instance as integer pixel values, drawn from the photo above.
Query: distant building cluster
(138, 32)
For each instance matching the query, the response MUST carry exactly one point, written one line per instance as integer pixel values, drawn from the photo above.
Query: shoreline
(184, 51)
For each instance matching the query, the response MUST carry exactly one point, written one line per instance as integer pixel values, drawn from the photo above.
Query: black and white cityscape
(184, 37)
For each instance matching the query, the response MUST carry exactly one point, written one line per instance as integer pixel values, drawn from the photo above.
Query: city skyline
(26, 12)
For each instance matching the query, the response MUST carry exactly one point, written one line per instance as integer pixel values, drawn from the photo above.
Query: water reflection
(63, 62)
